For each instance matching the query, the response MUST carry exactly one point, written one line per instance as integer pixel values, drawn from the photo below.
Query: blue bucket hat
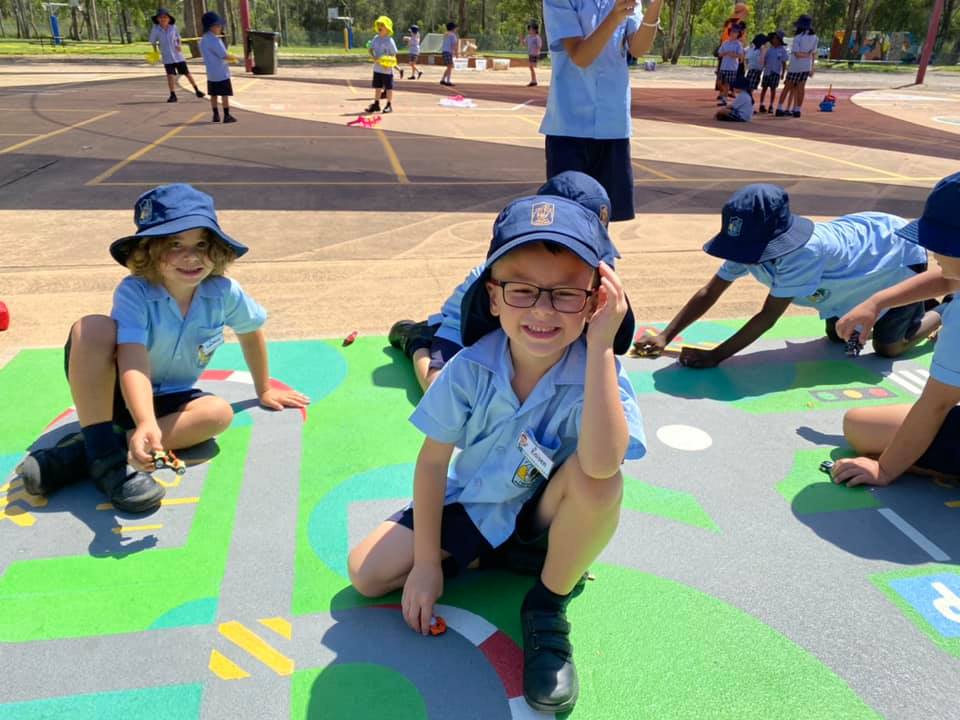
(163, 11)
(938, 229)
(758, 226)
(209, 19)
(803, 23)
(581, 188)
(540, 218)
(168, 210)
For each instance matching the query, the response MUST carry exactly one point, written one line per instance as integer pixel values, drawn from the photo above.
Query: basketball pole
(930, 41)
(245, 25)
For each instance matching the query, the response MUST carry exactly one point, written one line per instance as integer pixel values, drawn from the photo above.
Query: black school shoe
(128, 489)
(373, 107)
(550, 681)
(199, 92)
(407, 335)
(172, 98)
(47, 470)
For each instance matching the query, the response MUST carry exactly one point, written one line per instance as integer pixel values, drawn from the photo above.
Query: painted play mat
(740, 583)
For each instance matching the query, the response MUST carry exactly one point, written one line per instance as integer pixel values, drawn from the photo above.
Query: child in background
(132, 375)
(384, 50)
(754, 62)
(741, 110)
(449, 50)
(217, 60)
(543, 414)
(431, 343)
(803, 53)
(921, 437)
(534, 45)
(731, 55)
(165, 38)
(774, 63)
(413, 52)
(830, 266)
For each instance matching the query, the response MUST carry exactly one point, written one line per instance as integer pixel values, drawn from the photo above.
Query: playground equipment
(51, 8)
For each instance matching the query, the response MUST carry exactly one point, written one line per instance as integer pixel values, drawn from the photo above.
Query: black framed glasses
(524, 295)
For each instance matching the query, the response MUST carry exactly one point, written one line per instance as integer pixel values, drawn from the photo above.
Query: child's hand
(623, 9)
(699, 359)
(277, 399)
(863, 316)
(651, 346)
(611, 306)
(420, 592)
(860, 471)
(232, 59)
(145, 439)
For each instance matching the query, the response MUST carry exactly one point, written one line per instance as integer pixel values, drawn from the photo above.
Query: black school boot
(128, 489)
(172, 98)
(373, 107)
(550, 681)
(47, 470)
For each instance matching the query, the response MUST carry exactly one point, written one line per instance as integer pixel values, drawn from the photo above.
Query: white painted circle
(947, 120)
(684, 437)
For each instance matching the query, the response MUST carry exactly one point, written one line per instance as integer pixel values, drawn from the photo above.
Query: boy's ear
(494, 298)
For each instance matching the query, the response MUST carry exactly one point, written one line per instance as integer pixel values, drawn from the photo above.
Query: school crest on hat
(145, 210)
(542, 214)
(734, 226)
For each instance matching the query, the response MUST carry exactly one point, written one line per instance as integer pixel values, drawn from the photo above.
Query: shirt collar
(491, 352)
(156, 291)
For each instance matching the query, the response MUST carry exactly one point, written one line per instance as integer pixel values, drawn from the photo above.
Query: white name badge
(534, 454)
(205, 351)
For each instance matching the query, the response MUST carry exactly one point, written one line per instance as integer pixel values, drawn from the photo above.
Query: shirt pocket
(204, 343)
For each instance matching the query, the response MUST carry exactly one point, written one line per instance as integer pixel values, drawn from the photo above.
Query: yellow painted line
(526, 119)
(144, 150)
(352, 88)
(18, 516)
(751, 137)
(2, 134)
(360, 136)
(252, 643)
(22, 496)
(54, 133)
(652, 171)
(12, 485)
(166, 502)
(249, 83)
(279, 625)
(224, 668)
(134, 528)
(953, 504)
(392, 157)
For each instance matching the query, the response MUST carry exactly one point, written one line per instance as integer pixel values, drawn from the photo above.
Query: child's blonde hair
(144, 259)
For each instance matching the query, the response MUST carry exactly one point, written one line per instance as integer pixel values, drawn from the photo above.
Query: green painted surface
(809, 490)
(663, 502)
(25, 411)
(173, 702)
(882, 581)
(84, 595)
(195, 612)
(350, 691)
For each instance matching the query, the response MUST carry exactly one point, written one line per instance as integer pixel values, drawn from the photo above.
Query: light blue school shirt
(592, 102)
(742, 105)
(534, 45)
(449, 316)
(806, 44)
(945, 367)
(214, 57)
(774, 59)
(449, 43)
(379, 47)
(169, 42)
(180, 347)
(413, 45)
(754, 55)
(472, 405)
(845, 261)
(728, 64)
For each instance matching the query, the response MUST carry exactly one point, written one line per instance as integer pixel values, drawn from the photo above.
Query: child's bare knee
(599, 494)
(94, 331)
(889, 350)
(854, 420)
(362, 577)
(221, 415)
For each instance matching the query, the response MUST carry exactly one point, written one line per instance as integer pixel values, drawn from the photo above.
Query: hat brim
(476, 320)
(156, 19)
(731, 248)
(934, 236)
(120, 249)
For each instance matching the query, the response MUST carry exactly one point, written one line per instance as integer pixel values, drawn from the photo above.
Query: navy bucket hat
(581, 188)
(803, 23)
(938, 229)
(163, 11)
(540, 218)
(758, 226)
(209, 19)
(168, 210)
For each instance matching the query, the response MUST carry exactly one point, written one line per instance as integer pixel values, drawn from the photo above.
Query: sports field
(740, 583)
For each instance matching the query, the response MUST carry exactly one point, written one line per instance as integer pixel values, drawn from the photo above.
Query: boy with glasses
(543, 415)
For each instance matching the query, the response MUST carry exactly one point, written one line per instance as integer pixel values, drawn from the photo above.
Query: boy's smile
(186, 262)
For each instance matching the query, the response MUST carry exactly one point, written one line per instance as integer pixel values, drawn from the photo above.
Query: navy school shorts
(177, 68)
(728, 77)
(943, 455)
(770, 80)
(383, 80)
(448, 58)
(753, 77)
(797, 78)
(220, 88)
(606, 161)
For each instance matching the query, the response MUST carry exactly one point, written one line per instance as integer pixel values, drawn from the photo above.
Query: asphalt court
(293, 149)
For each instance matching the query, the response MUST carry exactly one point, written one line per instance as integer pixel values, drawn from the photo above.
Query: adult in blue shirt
(587, 122)
(831, 266)
(922, 437)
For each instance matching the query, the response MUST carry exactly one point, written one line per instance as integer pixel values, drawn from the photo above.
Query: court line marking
(521, 105)
(652, 171)
(917, 537)
(137, 154)
(166, 502)
(134, 528)
(54, 133)
(352, 88)
(906, 382)
(750, 137)
(392, 157)
(6, 134)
